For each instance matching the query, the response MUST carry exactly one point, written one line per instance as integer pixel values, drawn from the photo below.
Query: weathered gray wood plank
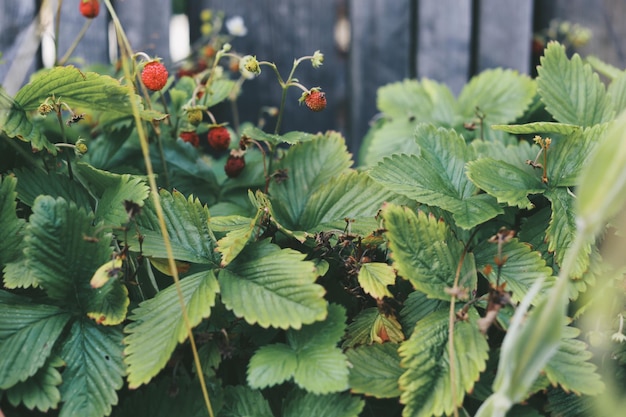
(94, 46)
(147, 25)
(16, 42)
(444, 41)
(280, 32)
(379, 54)
(505, 34)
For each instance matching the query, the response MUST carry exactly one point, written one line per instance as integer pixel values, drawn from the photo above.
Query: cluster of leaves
(313, 288)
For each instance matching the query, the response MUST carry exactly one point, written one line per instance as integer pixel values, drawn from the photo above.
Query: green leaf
(425, 384)
(305, 404)
(570, 367)
(28, 333)
(32, 183)
(310, 357)
(178, 395)
(394, 136)
(159, 322)
(14, 122)
(308, 166)
(375, 370)
(568, 155)
(57, 254)
(237, 238)
(272, 287)
(617, 92)
(437, 177)
(218, 91)
(563, 229)
(291, 137)
(501, 95)
(108, 304)
(416, 307)
(12, 227)
(539, 127)
(272, 365)
(353, 195)
(561, 403)
(187, 222)
(40, 391)
(368, 326)
(81, 91)
(188, 172)
(94, 370)
(112, 190)
(528, 345)
(570, 89)
(403, 100)
(509, 184)
(374, 277)
(601, 193)
(425, 252)
(241, 401)
(522, 267)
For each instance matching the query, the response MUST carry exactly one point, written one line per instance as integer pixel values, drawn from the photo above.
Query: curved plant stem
(77, 40)
(159, 210)
(70, 173)
(451, 321)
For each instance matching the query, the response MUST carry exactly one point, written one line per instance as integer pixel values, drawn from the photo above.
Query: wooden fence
(389, 40)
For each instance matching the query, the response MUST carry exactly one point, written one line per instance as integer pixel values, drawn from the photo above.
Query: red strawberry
(315, 100)
(154, 75)
(89, 8)
(219, 138)
(235, 163)
(191, 137)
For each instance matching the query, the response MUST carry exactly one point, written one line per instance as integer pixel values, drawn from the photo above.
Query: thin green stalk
(77, 40)
(159, 210)
(67, 156)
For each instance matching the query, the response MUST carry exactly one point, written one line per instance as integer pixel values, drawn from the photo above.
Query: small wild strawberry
(190, 137)
(315, 100)
(154, 75)
(219, 138)
(235, 163)
(89, 8)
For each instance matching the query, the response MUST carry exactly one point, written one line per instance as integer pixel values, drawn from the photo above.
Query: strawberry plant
(464, 266)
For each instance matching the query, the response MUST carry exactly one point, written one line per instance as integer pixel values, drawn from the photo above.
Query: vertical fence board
(379, 54)
(15, 17)
(505, 34)
(279, 32)
(147, 25)
(94, 46)
(444, 41)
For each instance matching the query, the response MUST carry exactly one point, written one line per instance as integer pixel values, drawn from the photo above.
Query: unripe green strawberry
(190, 137)
(219, 138)
(315, 100)
(154, 75)
(235, 163)
(194, 115)
(89, 8)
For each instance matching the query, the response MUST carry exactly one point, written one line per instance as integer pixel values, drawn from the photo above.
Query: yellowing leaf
(374, 278)
(109, 270)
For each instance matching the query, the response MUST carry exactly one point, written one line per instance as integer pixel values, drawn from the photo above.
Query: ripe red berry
(219, 138)
(190, 137)
(315, 100)
(89, 8)
(154, 75)
(235, 163)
